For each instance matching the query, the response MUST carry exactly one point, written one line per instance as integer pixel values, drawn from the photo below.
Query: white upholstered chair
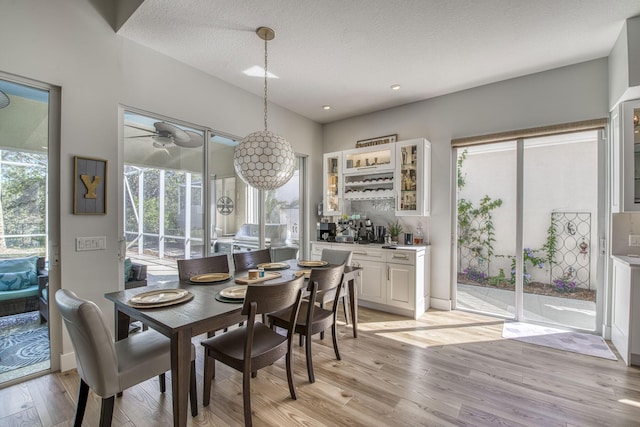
(109, 367)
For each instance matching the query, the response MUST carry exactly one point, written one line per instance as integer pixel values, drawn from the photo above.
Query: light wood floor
(448, 368)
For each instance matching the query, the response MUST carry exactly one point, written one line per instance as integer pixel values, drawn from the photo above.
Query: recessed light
(395, 87)
(326, 107)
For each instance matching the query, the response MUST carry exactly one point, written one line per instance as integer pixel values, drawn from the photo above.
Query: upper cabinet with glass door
(332, 184)
(413, 177)
(374, 159)
(625, 157)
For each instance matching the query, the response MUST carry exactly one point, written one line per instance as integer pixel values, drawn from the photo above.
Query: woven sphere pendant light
(263, 159)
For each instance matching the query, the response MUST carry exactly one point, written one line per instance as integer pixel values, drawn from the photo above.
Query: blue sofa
(22, 281)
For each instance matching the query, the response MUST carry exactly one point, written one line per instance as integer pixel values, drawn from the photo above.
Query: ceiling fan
(168, 135)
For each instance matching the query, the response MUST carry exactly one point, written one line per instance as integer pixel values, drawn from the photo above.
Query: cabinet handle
(403, 256)
(360, 253)
(388, 273)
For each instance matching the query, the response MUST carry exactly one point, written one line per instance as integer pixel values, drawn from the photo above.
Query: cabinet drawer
(367, 254)
(401, 257)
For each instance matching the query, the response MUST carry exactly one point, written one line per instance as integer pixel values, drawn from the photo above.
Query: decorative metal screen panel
(573, 247)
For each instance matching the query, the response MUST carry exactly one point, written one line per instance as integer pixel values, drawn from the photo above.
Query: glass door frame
(601, 224)
(52, 216)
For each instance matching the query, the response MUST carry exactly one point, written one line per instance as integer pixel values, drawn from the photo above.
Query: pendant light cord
(265, 84)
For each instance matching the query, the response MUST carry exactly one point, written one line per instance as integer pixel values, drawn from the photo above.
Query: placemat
(228, 300)
(274, 265)
(312, 263)
(217, 282)
(187, 297)
(210, 278)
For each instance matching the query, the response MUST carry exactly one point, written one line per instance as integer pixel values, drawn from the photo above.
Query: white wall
(562, 95)
(68, 43)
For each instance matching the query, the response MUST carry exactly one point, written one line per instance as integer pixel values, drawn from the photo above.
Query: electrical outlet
(634, 240)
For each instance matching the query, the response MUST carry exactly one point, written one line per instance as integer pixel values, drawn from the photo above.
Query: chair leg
(106, 411)
(163, 382)
(301, 340)
(193, 392)
(246, 397)
(346, 312)
(322, 333)
(334, 333)
(83, 394)
(312, 378)
(290, 380)
(208, 374)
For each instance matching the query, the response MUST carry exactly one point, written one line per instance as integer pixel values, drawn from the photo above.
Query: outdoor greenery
(174, 201)
(476, 236)
(476, 231)
(23, 200)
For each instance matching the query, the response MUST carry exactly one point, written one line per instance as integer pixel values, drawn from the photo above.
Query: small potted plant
(394, 230)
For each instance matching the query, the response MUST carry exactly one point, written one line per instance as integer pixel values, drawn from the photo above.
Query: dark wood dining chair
(246, 260)
(255, 346)
(191, 267)
(335, 257)
(313, 319)
(109, 367)
(188, 268)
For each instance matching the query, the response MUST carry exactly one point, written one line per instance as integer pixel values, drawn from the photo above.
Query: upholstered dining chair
(109, 367)
(256, 346)
(191, 267)
(313, 319)
(246, 260)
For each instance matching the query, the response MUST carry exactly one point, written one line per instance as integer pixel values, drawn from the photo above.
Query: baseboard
(440, 304)
(67, 362)
(606, 332)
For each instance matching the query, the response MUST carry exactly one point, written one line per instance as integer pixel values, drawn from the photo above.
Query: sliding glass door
(527, 229)
(486, 209)
(26, 112)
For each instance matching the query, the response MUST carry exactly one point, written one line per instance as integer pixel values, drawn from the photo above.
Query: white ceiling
(347, 53)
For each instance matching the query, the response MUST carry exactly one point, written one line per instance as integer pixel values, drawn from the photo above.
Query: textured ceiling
(347, 53)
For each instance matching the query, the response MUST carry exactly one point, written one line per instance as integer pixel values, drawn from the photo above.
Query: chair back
(246, 260)
(336, 256)
(96, 358)
(191, 267)
(326, 279)
(273, 297)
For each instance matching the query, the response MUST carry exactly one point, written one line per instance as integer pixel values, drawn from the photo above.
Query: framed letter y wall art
(89, 186)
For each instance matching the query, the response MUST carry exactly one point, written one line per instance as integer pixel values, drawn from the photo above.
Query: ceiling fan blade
(195, 140)
(139, 128)
(140, 136)
(178, 134)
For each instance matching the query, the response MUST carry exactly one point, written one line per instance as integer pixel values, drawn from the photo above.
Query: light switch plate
(97, 243)
(634, 240)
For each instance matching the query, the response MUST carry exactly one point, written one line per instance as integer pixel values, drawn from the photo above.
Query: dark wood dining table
(200, 315)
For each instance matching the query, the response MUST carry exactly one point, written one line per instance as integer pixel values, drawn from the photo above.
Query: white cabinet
(377, 158)
(625, 316)
(413, 177)
(332, 184)
(399, 171)
(625, 157)
(373, 285)
(392, 280)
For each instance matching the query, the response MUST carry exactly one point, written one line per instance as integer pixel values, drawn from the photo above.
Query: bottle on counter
(418, 237)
